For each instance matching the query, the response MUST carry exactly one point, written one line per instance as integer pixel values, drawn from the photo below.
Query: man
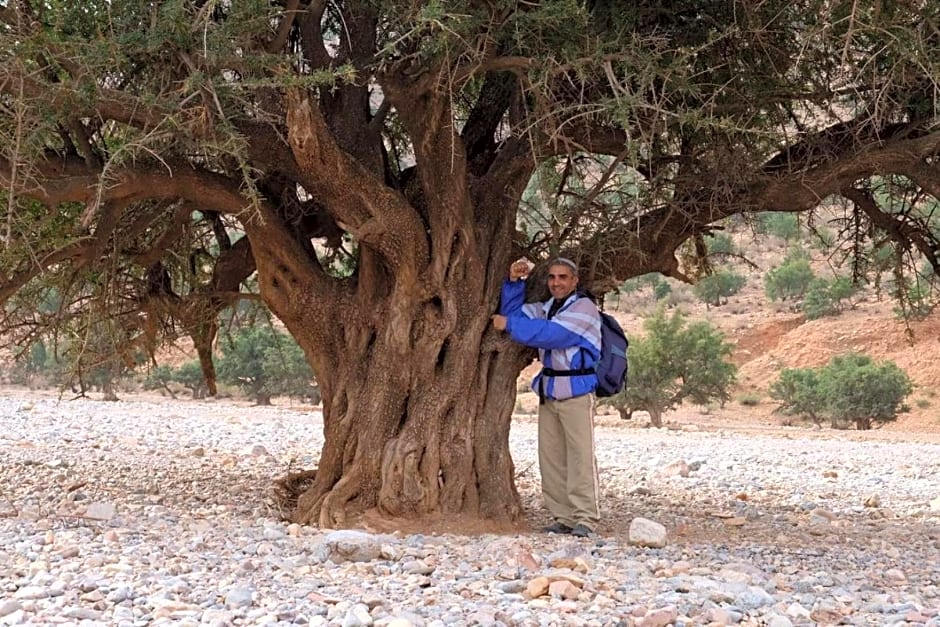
(566, 330)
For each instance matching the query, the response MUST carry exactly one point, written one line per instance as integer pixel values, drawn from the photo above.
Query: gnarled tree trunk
(418, 391)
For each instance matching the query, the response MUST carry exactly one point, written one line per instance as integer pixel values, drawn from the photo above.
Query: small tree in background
(720, 243)
(786, 226)
(914, 303)
(673, 362)
(828, 298)
(798, 391)
(790, 280)
(29, 363)
(849, 389)
(860, 390)
(189, 375)
(712, 288)
(288, 372)
(159, 378)
(263, 362)
(661, 289)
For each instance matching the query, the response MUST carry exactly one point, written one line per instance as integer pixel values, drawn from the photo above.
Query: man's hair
(564, 261)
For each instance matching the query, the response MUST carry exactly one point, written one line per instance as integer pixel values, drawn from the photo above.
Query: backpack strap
(551, 372)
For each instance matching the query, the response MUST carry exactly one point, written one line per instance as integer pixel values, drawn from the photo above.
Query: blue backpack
(611, 368)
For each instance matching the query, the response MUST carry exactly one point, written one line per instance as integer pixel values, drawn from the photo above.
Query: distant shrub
(749, 399)
(674, 361)
(639, 282)
(862, 391)
(798, 391)
(786, 226)
(720, 244)
(264, 362)
(661, 290)
(823, 238)
(849, 389)
(790, 280)
(722, 284)
(828, 298)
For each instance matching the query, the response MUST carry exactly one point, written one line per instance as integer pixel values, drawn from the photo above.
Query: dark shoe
(557, 527)
(582, 531)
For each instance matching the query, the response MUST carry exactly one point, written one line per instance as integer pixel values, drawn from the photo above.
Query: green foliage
(264, 362)
(31, 362)
(189, 375)
(673, 362)
(750, 399)
(916, 303)
(786, 226)
(720, 244)
(850, 388)
(790, 280)
(635, 284)
(823, 238)
(722, 284)
(859, 390)
(661, 289)
(798, 391)
(828, 298)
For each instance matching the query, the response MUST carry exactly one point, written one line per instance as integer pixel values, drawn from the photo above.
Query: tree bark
(418, 392)
(656, 416)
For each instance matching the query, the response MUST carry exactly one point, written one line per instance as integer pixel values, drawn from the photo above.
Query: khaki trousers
(567, 462)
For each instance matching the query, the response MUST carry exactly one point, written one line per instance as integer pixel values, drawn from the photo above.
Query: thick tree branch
(71, 180)
(311, 33)
(378, 216)
(283, 27)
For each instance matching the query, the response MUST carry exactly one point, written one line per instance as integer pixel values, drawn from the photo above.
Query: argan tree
(375, 165)
(672, 362)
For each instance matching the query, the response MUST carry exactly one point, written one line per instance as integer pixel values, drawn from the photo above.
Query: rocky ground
(160, 513)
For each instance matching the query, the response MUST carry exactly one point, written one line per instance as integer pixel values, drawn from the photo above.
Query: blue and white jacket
(569, 341)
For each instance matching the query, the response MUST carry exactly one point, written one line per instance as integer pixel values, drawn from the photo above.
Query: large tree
(373, 166)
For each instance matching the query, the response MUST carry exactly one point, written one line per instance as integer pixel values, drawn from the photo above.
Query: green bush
(798, 391)
(661, 290)
(722, 284)
(189, 375)
(859, 390)
(750, 399)
(30, 363)
(849, 389)
(720, 244)
(786, 226)
(264, 362)
(672, 362)
(790, 280)
(823, 238)
(828, 298)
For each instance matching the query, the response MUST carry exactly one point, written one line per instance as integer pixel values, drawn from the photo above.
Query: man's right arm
(512, 298)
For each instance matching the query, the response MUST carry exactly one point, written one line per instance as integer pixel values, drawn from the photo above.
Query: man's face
(561, 281)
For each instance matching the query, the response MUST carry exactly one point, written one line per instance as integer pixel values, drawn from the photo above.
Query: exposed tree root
(289, 488)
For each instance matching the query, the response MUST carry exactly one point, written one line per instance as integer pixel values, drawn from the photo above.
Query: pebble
(132, 513)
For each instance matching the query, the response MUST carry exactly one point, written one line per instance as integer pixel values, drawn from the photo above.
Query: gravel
(160, 513)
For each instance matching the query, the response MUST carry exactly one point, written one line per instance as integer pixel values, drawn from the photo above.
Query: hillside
(771, 336)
